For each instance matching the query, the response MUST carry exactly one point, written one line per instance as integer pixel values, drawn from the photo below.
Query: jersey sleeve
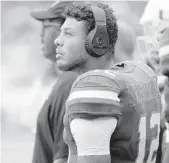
(94, 94)
(94, 143)
(59, 95)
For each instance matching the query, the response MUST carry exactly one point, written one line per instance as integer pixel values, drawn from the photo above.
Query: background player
(156, 25)
(164, 60)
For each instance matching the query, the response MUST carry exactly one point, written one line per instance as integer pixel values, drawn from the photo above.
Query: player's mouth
(58, 54)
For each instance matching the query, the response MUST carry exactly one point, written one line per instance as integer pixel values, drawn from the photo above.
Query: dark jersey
(164, 143)
(166, 98)
(129, 92)
(49, 144)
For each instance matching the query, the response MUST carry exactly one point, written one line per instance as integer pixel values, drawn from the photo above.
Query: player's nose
(58, 41)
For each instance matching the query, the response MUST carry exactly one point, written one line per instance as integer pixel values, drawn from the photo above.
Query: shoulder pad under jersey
(96, 86)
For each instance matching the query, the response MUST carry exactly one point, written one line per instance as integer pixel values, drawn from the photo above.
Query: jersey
(166, 97)
(130, 93)
(164, 139)
(49, 145)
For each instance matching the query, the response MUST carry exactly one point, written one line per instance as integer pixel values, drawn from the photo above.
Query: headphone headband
(99, 15)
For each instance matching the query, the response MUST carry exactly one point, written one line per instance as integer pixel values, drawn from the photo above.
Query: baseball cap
(55, 11)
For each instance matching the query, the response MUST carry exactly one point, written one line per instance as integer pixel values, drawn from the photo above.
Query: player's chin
(62, 65)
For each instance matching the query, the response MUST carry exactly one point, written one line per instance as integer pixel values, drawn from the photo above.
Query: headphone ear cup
(89, 45)
(97, 41)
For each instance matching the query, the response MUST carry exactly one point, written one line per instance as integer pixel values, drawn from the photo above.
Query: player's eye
(67, 33)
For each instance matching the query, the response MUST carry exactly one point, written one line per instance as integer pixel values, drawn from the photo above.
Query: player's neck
(94, 64)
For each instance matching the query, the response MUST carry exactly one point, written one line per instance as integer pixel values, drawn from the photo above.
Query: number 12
(154, 120)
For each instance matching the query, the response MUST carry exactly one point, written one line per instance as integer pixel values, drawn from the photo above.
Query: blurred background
(26, 74)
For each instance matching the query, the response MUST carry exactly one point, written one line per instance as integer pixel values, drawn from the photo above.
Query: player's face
(50, 31)
(70, 51)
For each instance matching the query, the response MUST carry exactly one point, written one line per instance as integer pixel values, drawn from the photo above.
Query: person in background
(51, 20)
(49, 145)
(158, 60)
(155, 21)
(164, 68)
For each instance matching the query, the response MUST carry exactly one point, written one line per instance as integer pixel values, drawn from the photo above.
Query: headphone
(97, 41)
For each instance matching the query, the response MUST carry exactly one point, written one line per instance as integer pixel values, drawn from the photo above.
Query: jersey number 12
(154, 121)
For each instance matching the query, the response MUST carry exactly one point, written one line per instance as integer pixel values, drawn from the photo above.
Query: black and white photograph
(84, 81)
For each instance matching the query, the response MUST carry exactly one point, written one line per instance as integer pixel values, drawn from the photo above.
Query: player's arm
(59, 95)
(93, 110)
(92, 137)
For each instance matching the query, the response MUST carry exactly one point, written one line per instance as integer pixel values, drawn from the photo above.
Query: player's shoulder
(97, 75)
(134, 71)
(139, 67)
(115, 74)
(118, 74)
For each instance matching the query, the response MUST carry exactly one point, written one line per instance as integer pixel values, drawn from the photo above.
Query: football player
(71, 56)
(164, 60)
(113, 116)
(156, 25)
(123, 111)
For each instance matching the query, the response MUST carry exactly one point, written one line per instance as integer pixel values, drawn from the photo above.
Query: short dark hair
(84, 12)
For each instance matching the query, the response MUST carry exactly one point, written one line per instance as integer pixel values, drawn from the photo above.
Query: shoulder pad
(97, 86)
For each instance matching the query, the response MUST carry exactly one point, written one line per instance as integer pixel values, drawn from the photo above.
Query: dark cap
(55, 11)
